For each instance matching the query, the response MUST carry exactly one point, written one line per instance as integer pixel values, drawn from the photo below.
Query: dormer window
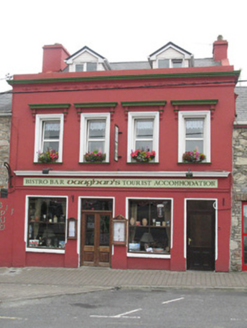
(170, 63)
(170, 56)
(87, 60)
(86, 67)
(176, 63)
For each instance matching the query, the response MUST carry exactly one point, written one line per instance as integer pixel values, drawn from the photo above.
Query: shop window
(48, 135)
(46, 223)
(149, 226)
(143, 133)
(194, 133)
(95, 136)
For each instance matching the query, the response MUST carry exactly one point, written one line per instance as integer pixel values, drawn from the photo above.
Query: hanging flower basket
(94, 156)
(50, 156)
(193, 157)
(142, 155)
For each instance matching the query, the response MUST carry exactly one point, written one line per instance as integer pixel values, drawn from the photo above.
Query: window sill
(194, 163)
(147, 163)
(50, 163)
(149, 255)
(45, 250)
(94, 163)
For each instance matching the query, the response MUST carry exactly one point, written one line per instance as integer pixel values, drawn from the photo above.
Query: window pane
(89, 230)
(144, 128)
(79, 68)
(144, 145)
(96, 129)
(97, 204)
(194, 144)
(104, 230)
(50, 146)
(51, 129)
(176, 63)
(96, 145)
(194, 128)
(163, 63)
(245, 218)
(46, 222)
(91, 67)
(149, 226)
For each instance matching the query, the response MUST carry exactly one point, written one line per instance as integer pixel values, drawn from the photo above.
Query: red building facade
(119, 167)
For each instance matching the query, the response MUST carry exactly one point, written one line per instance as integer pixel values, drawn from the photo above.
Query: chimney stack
(53, 58)
(220, 50)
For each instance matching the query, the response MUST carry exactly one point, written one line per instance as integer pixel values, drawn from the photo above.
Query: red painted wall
(22, 155)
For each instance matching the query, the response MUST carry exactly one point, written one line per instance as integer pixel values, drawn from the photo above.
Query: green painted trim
(95, 104)
(143, 103)
(48, 106)
(126, 77)
(194, 102)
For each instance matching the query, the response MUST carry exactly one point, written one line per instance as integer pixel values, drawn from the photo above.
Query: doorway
(201, 235)
(96, 238)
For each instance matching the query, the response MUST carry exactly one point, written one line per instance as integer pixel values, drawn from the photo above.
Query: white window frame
(85, 66)
(205, 115)
(43, 250)
(85, 117)
(171, 61)
(150, 255)
(40, 118)
(132, 116)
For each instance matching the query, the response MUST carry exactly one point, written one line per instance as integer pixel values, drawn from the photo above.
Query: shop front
(122, 223)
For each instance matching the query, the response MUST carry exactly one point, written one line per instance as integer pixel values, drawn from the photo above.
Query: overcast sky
(128, 30)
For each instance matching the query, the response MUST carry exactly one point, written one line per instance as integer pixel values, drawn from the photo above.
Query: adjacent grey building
(5, 120)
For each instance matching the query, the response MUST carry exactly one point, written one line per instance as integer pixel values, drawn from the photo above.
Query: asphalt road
(130, 308)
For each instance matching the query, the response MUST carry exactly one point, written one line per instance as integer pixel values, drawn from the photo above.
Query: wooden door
(96, 238)
(200, 235)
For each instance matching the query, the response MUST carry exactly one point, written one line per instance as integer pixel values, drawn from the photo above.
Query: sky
(128, 30)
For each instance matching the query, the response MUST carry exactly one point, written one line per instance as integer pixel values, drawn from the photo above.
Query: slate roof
(241, 104)
(130, 65)
(5, 102)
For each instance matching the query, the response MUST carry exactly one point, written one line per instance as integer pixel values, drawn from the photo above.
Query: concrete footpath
(32, 282)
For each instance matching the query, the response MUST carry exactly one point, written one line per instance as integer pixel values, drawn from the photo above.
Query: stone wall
(238, 196)
(5, 122)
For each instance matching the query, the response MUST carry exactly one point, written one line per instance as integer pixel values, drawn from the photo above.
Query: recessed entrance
(96, 232)
(200, 235)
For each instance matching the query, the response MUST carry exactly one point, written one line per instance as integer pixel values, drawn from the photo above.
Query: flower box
(50, 156)
(94, 156)
(193, 157)
(143, 156)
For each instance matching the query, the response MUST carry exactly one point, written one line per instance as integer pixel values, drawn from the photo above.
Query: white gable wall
(86, 57)
(170, 53)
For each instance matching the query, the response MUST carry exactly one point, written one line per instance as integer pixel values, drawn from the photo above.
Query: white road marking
(175, 300)
(10, 318)
(122, 315)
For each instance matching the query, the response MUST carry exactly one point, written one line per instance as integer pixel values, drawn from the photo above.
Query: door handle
(189, 241)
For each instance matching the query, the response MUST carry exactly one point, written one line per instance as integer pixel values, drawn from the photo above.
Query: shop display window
(46, 222)
(149, 226)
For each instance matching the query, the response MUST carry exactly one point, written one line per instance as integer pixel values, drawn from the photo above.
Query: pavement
(35, 282)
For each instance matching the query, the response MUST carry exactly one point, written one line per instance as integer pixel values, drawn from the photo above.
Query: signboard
(122, 183)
